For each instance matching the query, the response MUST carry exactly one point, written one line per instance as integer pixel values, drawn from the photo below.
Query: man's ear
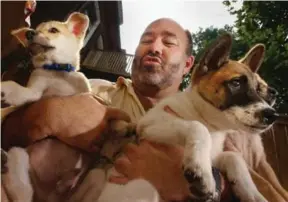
(254, 57)
(78, 24)
(214, 56)
(188, 64)
(20, 34)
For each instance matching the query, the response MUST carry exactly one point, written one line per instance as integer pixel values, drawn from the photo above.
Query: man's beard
(157, 76)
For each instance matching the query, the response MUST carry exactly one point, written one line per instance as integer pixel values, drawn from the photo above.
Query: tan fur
(256, 53)
(66, 34)
(211, 85)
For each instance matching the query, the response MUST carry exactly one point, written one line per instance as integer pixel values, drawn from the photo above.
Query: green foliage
(257, 22)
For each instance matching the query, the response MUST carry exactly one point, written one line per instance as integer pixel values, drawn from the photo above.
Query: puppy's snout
(30, 35)
(268, 116)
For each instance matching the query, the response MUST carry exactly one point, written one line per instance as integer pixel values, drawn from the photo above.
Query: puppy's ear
(78, 24)
(20, 34)
(214, 56)
(254, 57)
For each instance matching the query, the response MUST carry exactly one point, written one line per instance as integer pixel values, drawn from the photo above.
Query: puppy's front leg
(81, 82)
(14, 94)
(237, 173)
(196, 140)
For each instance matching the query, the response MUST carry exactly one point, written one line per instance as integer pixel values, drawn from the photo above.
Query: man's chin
(153, 68)
(150, 79)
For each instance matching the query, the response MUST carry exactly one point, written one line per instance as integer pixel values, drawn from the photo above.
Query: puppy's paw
(4, 103)
(201, 184)
(9, 93)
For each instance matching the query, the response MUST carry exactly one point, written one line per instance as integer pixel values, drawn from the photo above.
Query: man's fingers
(131, 151)
(175, 150)
(123, 165)
(118, 180)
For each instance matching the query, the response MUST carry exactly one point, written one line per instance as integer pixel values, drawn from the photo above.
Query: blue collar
(60, 67)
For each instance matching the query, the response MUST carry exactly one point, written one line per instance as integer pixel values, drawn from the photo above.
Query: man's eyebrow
(147, 34)
(164, 33)
(168, 34)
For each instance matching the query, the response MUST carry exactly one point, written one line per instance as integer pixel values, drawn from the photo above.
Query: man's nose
(156, 47)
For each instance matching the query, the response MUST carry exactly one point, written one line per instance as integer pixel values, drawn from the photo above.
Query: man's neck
(152, 96)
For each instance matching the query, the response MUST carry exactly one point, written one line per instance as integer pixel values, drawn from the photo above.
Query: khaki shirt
(121, 95)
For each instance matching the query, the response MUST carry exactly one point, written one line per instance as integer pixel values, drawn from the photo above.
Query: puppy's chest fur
(184, 107)
(60, 83)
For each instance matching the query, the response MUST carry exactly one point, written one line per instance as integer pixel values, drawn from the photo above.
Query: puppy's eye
(235, 83)
(53, 30)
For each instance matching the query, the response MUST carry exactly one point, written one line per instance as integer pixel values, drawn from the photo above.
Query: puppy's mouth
(257, 127)
(36, 48)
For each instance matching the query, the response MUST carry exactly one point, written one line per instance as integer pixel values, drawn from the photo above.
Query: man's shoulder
(106, 90)
(100, 82)
(97, 84)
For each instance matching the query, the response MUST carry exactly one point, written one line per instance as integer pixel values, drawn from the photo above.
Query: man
(162, 58)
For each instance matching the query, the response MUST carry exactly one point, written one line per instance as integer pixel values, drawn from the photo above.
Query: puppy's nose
(268, 116)
(272, 92)
(30, 35)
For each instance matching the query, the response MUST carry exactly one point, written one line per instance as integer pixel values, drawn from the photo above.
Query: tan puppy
(56, 56)
(56, 47)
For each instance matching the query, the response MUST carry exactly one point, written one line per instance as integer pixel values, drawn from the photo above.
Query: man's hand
(77, 120)
(159, 164)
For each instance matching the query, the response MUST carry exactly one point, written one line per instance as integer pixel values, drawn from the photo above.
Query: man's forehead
(166, 27)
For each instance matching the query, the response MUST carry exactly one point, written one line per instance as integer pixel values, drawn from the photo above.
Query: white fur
(17, 181)
(248, 116)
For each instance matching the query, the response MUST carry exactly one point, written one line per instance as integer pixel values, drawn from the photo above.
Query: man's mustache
(152, 55)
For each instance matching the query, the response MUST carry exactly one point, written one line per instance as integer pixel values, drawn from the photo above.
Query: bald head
(183, 34)
(167, 21)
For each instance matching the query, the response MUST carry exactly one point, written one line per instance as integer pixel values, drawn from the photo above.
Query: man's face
(160, 58)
